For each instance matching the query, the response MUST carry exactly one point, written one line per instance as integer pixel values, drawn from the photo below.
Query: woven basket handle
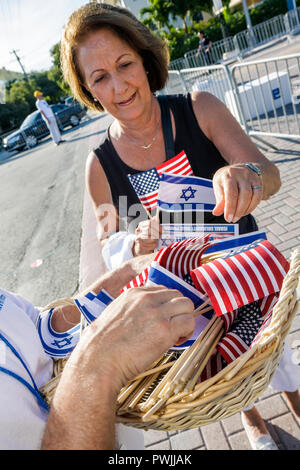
(288, 296)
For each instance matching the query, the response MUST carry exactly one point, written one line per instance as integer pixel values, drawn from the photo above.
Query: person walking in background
(48, 117)
(204, 46)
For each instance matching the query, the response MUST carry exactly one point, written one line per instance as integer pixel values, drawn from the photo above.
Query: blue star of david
(188, 193)
(63, 342)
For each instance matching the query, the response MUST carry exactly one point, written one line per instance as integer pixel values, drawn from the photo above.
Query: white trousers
(287, 375)
(53, 128)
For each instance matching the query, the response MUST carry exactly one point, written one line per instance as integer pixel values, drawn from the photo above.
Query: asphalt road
(41, 202)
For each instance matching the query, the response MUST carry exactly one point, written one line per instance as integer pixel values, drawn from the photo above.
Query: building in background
(238, 3)
(136, 5)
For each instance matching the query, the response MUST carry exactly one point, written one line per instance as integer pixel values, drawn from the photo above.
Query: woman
(112, 62)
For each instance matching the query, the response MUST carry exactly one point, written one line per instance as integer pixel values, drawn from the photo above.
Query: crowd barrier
(263, 95)
(238, 46)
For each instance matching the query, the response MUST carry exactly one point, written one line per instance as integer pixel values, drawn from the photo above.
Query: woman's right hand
(147, 234)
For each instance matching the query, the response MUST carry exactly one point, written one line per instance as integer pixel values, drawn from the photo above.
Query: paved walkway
(280, 217)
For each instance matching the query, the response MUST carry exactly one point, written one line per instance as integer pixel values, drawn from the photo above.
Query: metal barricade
(268, 96)
(263, 95)
(175, 83)
(262, 33)
(269, 30)
(215, 79)
(217, 53)
(292, 20)
(178, 64)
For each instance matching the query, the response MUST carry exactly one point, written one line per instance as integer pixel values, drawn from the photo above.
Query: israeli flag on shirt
(161, 276)
(61, 345)
(185, 193)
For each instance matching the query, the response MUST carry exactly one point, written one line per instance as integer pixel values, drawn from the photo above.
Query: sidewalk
(280, 217)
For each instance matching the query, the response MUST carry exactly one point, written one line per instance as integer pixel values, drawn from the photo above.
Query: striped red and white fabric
(228, 319)
(215, 364)
(238, 280)
(178, 165)
(138, 281)
(267, 304)
(182, 257)
(265, 324)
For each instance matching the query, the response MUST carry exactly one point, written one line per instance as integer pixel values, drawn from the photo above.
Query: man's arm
(65, 316)
(132, 332)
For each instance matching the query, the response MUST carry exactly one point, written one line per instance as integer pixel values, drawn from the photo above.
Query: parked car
(34, 128)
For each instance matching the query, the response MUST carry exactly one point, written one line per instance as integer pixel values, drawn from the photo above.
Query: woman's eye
(99, 79)
(126, 64)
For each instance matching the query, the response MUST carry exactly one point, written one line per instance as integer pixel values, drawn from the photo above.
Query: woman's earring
(95, 99)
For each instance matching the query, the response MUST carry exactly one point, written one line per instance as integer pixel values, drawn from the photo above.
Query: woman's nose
(120, 85)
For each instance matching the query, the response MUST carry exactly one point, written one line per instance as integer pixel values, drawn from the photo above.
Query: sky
(32, 27)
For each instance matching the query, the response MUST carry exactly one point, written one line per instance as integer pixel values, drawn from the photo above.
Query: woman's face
(114, 74)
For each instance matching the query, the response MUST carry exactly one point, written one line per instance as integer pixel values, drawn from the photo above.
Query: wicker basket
(141, 403)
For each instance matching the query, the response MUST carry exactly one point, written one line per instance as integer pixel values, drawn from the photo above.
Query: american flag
(241, 333)
(215, 364)
(146, 183)
(182, 257)
(243, 278)
(265, 324)
(138, 281)
(267, 304)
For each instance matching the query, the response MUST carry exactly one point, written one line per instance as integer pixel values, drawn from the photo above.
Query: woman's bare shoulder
(96, 180)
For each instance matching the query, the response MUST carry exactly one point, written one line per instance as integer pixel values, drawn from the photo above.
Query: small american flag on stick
(182, 257)
(243, 278)
(242, 332)
(138, 281)
(146, 183)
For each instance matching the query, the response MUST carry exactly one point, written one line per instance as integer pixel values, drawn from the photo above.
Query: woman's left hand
(237, 192)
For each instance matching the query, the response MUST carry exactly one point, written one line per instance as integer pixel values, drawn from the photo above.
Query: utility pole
(19, 60)
(249, 23)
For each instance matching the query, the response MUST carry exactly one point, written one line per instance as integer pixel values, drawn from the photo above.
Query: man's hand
(133, 331)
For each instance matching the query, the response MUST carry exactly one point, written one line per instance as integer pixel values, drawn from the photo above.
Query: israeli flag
(231, 244)
(161, 276)
(185, 193)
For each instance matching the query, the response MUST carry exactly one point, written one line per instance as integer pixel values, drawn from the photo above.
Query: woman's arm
(100, 193)
(233, 184)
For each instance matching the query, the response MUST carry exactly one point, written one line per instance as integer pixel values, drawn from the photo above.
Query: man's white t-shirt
(22, 419)
(42, 105)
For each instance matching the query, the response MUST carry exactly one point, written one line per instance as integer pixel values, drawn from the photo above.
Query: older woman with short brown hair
(112, 62)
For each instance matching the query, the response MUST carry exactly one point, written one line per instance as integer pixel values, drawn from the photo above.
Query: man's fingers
(182, 327)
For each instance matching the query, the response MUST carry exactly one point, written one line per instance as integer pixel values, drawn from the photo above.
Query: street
(41, 204)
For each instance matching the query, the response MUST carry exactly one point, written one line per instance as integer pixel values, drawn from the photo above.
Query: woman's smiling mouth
(127, 102)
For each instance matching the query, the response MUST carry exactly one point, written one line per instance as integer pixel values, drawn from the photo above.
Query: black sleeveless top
(204, 158)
